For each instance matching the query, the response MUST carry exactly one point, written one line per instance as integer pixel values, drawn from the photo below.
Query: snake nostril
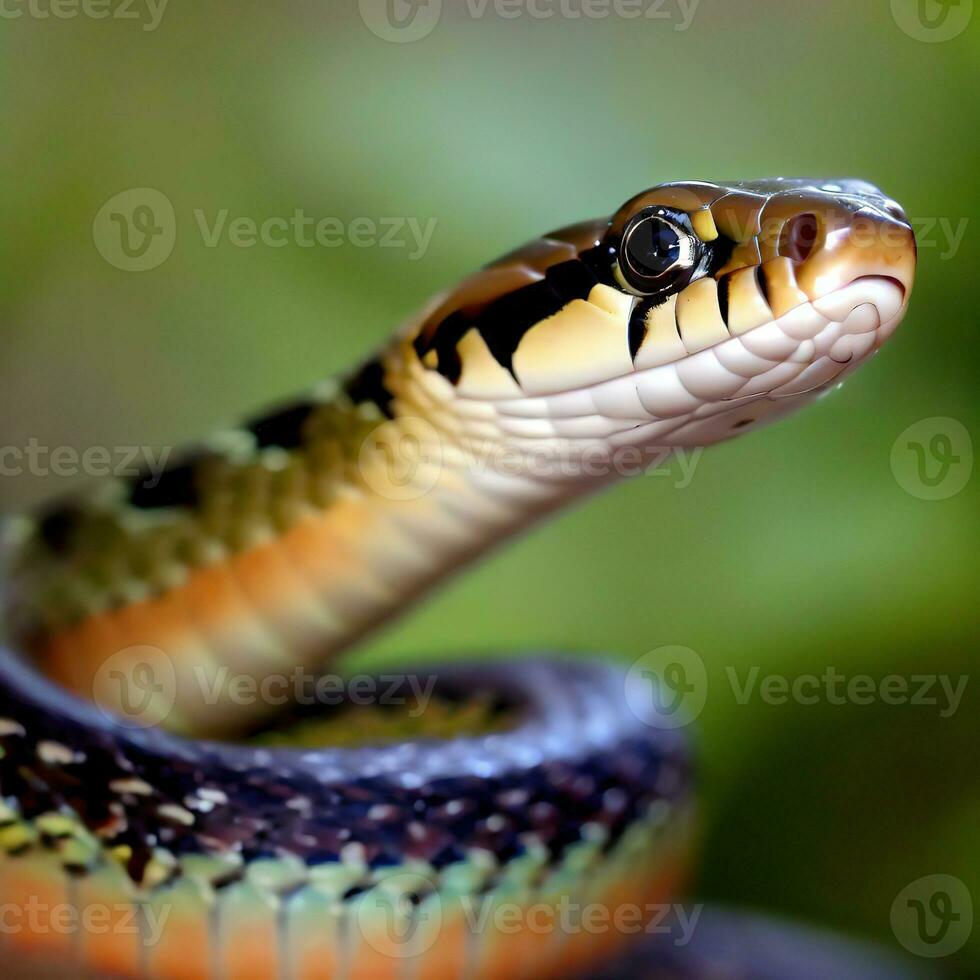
(799, 237)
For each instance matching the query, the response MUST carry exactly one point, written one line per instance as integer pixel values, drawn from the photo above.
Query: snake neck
(275, 544)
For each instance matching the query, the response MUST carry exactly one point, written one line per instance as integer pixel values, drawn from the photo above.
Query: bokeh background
(793, 549)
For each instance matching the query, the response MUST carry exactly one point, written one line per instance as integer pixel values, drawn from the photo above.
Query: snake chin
(800, 356)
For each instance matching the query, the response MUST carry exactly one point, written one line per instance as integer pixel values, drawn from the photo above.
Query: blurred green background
(794, 549)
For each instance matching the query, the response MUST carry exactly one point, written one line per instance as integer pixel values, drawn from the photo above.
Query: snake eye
(658, 253)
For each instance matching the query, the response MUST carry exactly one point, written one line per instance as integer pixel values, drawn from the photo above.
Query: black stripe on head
(724, 287)
(720, 253)
(283, 427)
(444, 342)
(504, 322)
(760, 278)
(637, 330)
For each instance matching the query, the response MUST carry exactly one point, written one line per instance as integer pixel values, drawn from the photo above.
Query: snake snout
(838, 240)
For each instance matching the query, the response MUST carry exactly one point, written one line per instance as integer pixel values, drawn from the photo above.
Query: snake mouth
(803, 349)
(847, 325)
(793, 355)
(895, 281)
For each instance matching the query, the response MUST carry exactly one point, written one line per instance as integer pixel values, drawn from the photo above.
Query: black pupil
(653, 247)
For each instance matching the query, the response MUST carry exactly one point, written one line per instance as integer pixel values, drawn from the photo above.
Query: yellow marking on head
(699, 316)
(784, 293)
(661, 343)
(483, 376)
(611, 300)
(580, 345)
(746, 306)
(703, 223)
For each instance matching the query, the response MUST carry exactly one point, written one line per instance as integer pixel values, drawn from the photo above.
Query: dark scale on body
(282, 427)
(57, 527)
(368, 386)
(175, 486)
(179, 485)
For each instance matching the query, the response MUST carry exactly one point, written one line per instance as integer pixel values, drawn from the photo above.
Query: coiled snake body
(697, 311)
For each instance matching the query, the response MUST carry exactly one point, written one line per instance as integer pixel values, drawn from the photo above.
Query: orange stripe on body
(249, 943)
(38, 885)
(116, 950)
(182, 950)
(264, 608)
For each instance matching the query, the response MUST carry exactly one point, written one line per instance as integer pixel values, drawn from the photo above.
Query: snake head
(697, 310)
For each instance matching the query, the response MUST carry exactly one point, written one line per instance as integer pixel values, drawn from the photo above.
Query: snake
(440, 832)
